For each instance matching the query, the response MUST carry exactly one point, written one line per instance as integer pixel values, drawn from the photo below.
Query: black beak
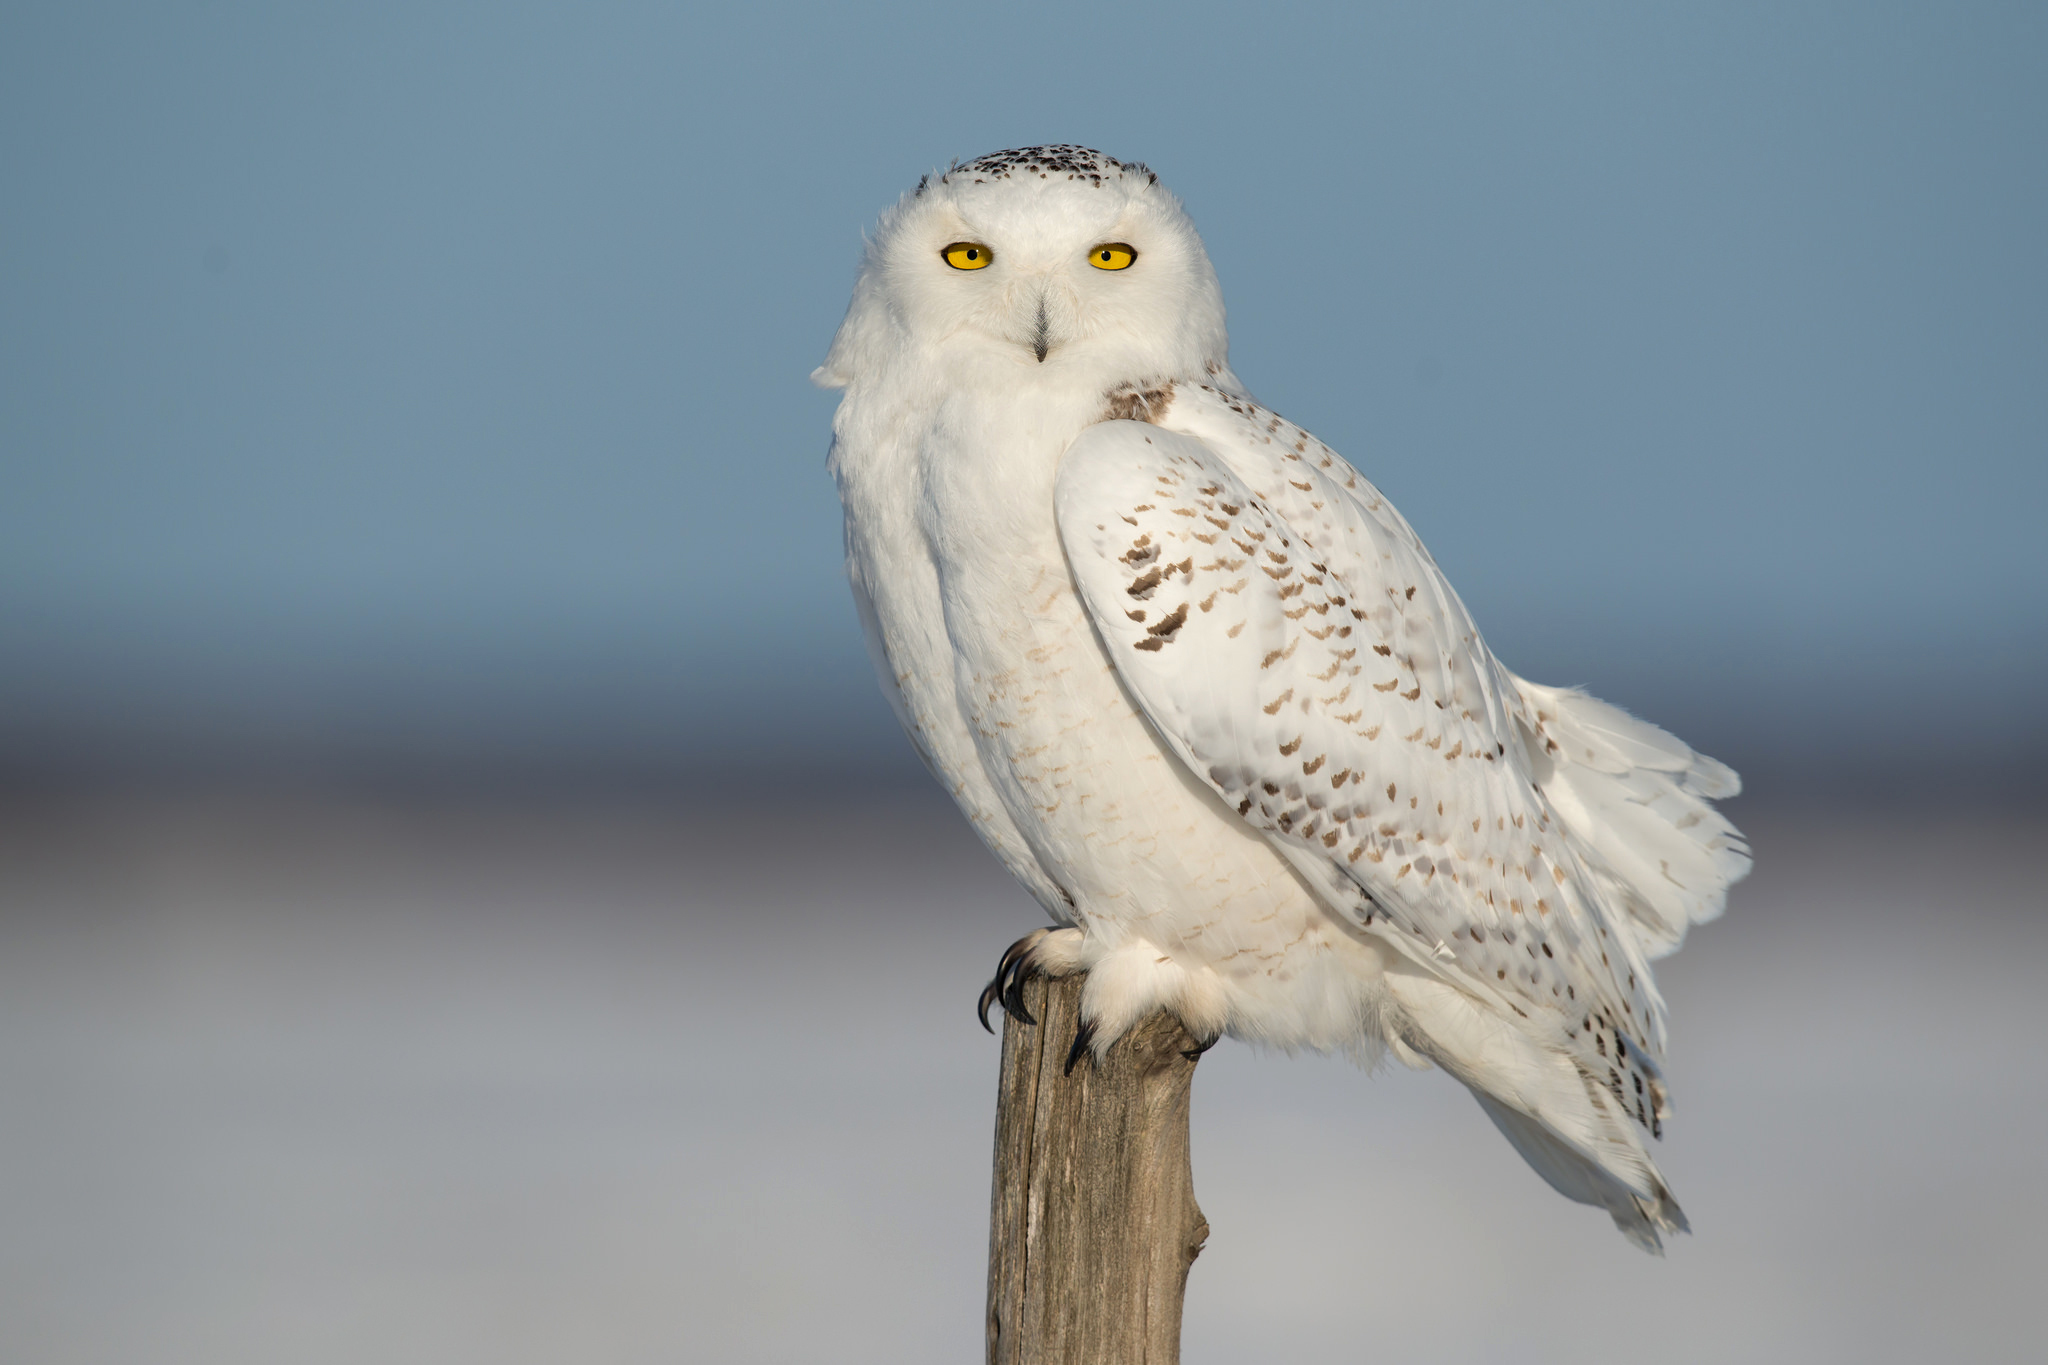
(1041, 341)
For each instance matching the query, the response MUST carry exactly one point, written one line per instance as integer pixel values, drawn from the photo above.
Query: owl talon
(1083, 1036)
(1019, 965)
(1195, 1053)
(1013, 995)
(988, 997)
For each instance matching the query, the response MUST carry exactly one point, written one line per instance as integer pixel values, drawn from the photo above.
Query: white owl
(1199, 686)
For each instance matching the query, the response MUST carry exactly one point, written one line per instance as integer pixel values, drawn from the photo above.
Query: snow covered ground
(344, 1081)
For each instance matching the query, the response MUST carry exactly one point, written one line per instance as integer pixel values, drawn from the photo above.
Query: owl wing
(1634, 801)
(1289, 638)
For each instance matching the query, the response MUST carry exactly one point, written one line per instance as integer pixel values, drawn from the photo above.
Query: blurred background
(421, 622)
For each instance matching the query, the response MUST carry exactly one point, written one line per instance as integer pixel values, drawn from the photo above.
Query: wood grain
(1093, 1223)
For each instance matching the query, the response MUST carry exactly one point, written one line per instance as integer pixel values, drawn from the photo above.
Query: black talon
(1011, 973)
(1082, 1037)
(1013, 997)
(1007, 988)
(1195, 1054)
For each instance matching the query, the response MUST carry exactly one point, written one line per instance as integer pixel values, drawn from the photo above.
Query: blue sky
(390, 385)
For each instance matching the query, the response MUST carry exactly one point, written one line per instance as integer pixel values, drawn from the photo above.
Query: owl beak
(1041, 334)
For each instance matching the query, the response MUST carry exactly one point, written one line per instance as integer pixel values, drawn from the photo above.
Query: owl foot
(1195, 1053)
(1042, 952)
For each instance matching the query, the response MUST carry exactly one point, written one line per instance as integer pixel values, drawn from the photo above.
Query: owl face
(1052, 263)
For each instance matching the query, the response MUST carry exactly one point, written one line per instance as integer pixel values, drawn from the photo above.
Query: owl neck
(979, 432)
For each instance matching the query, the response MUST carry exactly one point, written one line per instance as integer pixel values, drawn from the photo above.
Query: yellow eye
(1112, 256)
(968, 255)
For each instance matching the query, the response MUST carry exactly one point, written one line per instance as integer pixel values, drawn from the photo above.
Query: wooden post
(1094, 1224)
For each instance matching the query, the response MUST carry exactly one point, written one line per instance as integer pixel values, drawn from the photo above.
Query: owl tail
(1642, 1219)
(1586, 1146)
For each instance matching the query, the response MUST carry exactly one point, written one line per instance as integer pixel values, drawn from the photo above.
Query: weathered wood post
(1093, 1224)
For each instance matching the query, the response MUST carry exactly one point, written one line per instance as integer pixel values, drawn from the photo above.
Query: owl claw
(1195, 1053)
(1018, 966)
(1083, 1036)
(988, 997)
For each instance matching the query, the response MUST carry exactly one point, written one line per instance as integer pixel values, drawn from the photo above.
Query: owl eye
(968, 255)
(1112, 256)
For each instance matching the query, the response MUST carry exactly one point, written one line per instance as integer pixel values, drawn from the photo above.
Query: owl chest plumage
(975, 621)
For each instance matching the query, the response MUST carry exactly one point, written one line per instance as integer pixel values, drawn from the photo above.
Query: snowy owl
(1201, 688)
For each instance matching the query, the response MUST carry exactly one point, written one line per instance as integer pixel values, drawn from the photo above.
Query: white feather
(1636, 801)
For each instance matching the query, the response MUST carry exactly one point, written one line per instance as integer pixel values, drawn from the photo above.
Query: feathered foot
(1042, 952)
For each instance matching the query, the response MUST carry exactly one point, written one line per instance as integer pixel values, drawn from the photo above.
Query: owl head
(1044, 264)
